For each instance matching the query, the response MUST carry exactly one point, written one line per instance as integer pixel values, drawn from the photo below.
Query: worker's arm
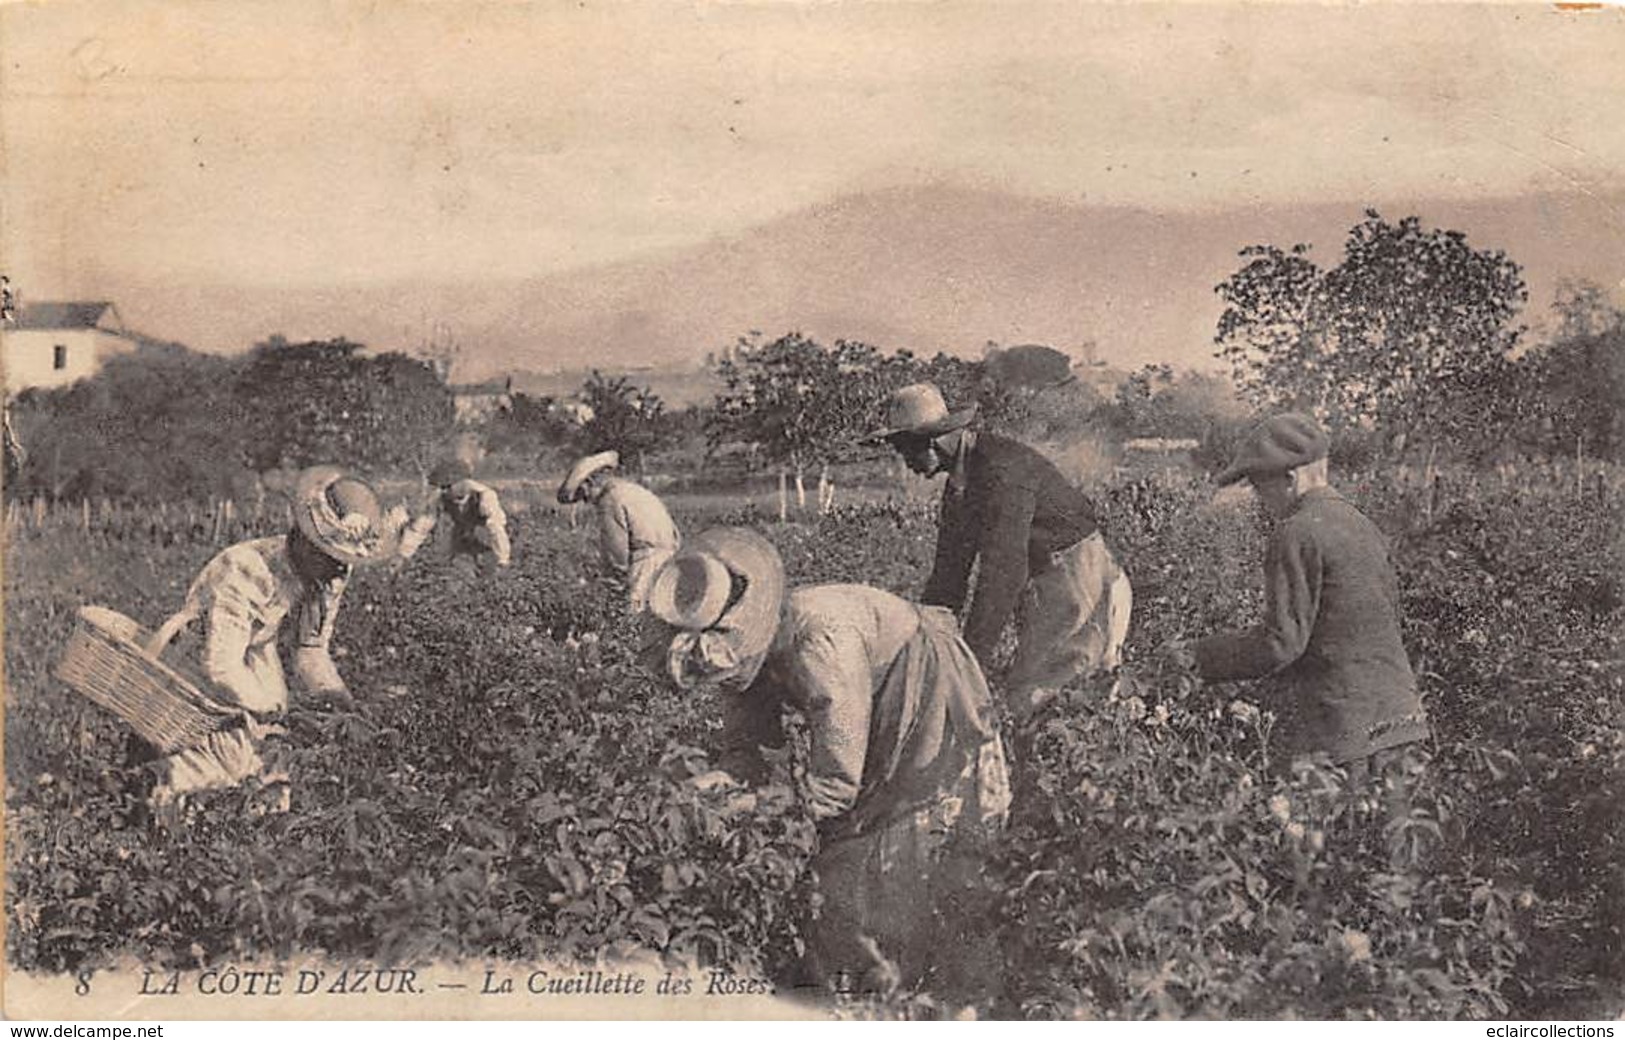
(419, 529)
(1292, 585)
(496, 525)
(615, 535)
(236, 591)
(1006, 530)
(956, 554)
(830, 677)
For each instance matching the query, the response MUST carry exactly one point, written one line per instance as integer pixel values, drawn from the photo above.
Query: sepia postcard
(781, 509)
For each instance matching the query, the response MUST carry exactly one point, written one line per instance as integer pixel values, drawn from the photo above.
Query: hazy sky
(308, 143)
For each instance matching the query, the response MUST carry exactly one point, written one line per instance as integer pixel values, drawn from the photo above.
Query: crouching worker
(243, 596)
(635, 532)
(472, 511)
(907, 777)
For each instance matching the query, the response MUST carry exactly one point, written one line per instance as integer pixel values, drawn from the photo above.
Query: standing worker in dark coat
(1038, 541)
(1331, 615)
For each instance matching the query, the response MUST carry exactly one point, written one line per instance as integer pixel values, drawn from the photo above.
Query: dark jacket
(1331, 628)
(1010, 506)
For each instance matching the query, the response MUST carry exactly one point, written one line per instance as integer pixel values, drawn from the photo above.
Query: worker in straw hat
(472, 511)
(904, 750)
(244, 595)
(1038, 540)
(636, 533)
(1330, 628)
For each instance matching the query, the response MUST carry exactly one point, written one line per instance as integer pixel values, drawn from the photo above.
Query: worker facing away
(636, 534)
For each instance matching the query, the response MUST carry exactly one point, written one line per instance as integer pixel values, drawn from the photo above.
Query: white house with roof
(54, 344)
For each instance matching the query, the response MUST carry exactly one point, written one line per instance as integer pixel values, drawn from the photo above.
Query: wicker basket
(106, 660)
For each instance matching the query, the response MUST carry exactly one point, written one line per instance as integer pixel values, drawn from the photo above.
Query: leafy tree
(325, 401)
(625, 418)
(407, 411)
(802, 403)
(1412, 333)
(159, 422)
(1581, 373)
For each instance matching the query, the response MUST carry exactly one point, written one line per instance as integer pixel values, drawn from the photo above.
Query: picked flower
(1357, 945)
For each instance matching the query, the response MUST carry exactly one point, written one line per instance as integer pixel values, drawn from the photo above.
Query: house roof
(71, 314)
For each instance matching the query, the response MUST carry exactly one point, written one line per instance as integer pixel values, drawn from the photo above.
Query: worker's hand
(715, 780)
(739, 800)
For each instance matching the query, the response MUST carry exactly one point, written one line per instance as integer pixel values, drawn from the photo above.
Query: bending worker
(636, 533)
(479, 527)
(1038, 541)
(906, 777)
(244, 595)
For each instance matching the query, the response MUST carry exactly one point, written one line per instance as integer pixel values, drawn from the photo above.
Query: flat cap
(1277, 444)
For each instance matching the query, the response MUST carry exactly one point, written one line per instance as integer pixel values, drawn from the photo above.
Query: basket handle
(167, 632)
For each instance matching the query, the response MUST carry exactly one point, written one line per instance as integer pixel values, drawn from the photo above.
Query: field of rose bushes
(509, 784)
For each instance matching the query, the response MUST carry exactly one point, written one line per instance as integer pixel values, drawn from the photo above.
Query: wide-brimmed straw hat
(1277, 444)
(584, 468)
(919, 409)
(727, 586)
(342, 517)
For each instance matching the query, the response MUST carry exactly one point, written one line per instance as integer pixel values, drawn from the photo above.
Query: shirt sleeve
(234, 592)
(956, 553)
(1006, 530)
(420, 528)
(496, 523)
(833, 686)
(1292, 585)
(615, 536)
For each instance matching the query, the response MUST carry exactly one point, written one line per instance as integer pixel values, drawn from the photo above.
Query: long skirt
(1073, 622)
(906, 903)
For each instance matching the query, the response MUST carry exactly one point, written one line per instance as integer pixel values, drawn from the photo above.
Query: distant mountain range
(927, 268)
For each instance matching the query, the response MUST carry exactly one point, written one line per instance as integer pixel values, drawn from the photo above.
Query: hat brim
(312, 485)
(956, 420)
(571, 485)
(663, 601)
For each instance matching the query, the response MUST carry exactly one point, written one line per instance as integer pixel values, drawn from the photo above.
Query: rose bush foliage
(509, 784)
